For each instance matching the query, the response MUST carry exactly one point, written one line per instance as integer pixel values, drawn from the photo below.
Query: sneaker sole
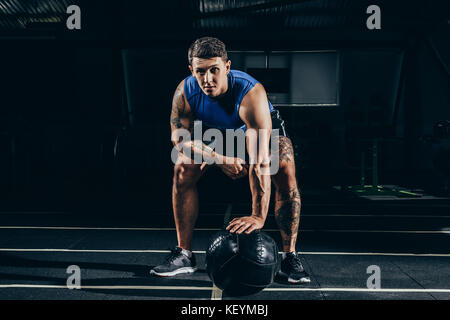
(291, 280)
(302, 280)
(175, 272)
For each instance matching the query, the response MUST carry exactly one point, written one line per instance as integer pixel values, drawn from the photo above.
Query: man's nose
(207, 78)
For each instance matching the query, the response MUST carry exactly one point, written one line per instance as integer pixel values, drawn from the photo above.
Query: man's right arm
(181, 123)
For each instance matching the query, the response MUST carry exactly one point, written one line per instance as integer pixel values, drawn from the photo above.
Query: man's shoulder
(243, 77)
(242, 83)
(190, 86)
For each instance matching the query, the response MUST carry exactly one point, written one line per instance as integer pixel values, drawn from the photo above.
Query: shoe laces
(174, 253)
(295, 262)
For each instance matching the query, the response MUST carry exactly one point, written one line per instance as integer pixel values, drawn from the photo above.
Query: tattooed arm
(182, 126)
(254, 111)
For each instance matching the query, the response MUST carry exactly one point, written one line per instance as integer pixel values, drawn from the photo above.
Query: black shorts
(277, 123)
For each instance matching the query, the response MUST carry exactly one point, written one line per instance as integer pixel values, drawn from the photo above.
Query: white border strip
(217, 229)
(193, 288)
(203, 252)
(358, 290)
(309, 215)
(34, 212)
(91, 228)
(100, 228)
(381, 231)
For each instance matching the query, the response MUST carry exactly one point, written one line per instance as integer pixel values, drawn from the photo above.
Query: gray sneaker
(292, 268)
(175, 263)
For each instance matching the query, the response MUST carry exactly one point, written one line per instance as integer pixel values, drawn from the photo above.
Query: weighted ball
(242, 264)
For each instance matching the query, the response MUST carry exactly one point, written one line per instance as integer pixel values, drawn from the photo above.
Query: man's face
(211, 75)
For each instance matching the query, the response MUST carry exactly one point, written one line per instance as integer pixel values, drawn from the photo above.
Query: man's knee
(285, 182)
(285, 177)
(185, 176)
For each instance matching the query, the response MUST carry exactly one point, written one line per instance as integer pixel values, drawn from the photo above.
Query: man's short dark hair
(206, 48)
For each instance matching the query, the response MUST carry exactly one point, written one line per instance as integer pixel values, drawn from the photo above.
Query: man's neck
(222, 95)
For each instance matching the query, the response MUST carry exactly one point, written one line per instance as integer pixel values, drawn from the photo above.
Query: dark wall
(57, 118)
(64, 109)
(427, 101)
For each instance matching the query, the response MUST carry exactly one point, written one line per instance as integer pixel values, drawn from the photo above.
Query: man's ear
(191, 69)
(228, 66)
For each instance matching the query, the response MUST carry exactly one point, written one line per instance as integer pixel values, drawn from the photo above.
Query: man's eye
(213, 70)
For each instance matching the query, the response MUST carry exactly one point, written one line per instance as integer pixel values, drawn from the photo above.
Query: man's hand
(247, 224)
(235, 168)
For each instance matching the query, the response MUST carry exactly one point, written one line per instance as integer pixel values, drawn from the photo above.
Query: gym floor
(116, 246)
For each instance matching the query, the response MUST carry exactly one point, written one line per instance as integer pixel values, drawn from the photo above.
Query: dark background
(71, 130)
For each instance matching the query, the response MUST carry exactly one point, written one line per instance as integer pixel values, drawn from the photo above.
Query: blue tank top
(220, 113)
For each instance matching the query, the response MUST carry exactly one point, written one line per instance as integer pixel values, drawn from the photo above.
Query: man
(229, 99)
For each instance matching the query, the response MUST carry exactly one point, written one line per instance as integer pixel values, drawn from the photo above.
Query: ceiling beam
(244, 9)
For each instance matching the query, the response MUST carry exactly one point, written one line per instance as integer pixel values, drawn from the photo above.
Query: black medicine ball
(242, 264)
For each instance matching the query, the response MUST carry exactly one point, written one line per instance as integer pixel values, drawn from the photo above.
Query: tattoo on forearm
(203, 149)
(176, 122)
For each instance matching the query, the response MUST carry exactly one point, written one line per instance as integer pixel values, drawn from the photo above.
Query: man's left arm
(254, 111)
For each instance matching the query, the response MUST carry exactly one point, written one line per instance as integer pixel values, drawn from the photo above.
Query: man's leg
(185, 209)
(185, 201)
(287, 212)
(287, 196)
